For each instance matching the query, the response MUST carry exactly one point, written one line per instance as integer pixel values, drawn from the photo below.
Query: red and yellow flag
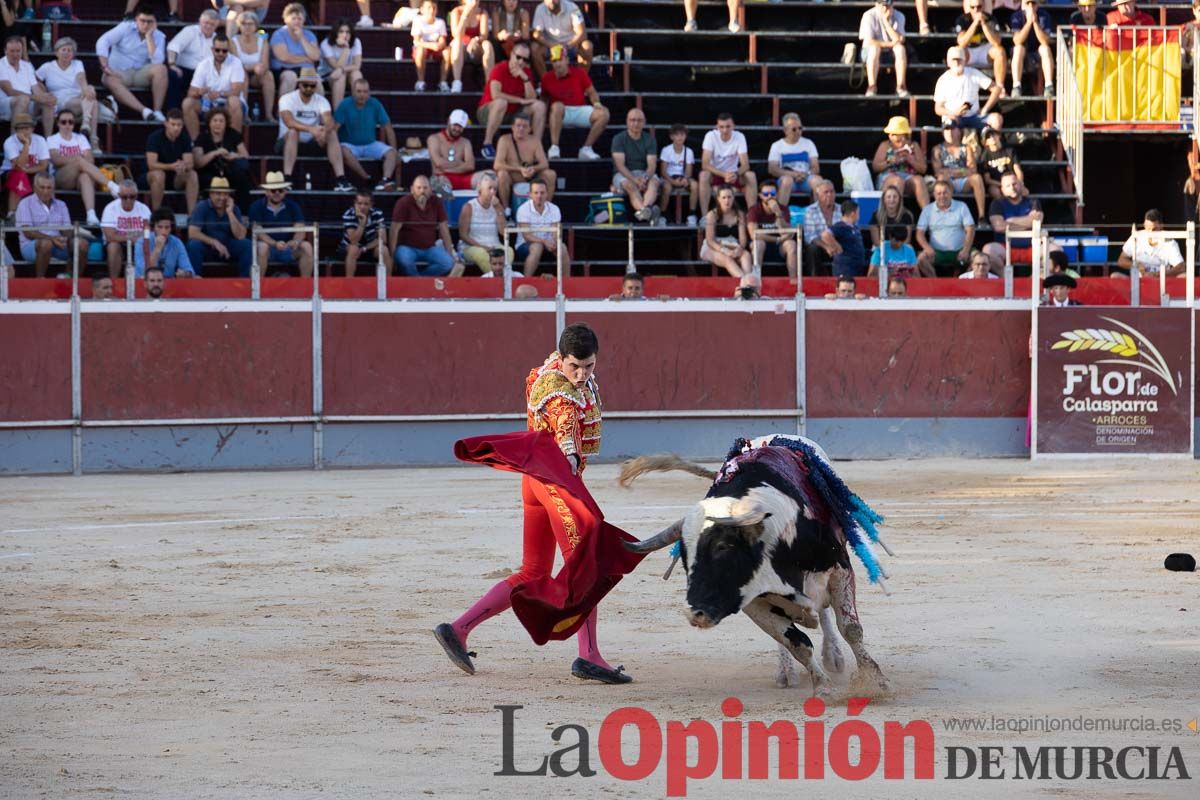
(1128, 74)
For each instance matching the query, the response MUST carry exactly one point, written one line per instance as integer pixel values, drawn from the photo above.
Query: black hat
(1059, 279)
(1180, 562)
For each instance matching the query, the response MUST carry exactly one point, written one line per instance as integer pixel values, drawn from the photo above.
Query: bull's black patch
(798, 638)
(725, 561)
(815, 549)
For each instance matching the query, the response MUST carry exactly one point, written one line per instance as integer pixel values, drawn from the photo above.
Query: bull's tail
(631, 469)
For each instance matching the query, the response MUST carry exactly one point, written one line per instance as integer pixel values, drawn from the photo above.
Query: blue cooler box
(868, 204)
(1093, 249)
(461, 198)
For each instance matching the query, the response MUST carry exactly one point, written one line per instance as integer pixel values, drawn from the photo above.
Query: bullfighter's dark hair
(578, 340)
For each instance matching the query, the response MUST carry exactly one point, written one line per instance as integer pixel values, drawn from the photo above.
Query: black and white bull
(749, 546)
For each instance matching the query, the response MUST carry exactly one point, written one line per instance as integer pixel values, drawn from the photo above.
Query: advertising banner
(1114, 380)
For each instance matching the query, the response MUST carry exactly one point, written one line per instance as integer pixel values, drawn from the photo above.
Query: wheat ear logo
(1121, 344)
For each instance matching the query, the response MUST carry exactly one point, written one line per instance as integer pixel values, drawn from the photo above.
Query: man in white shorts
(793, 160)
(574, 103)
(218, 82)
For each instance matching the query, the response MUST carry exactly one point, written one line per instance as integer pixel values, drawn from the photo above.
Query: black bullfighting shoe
(594, 672)
(450, 642)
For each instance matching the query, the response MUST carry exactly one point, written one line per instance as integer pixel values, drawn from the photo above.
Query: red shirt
(509, 84)
(420, 230)
(570, 91)
(1140, 18)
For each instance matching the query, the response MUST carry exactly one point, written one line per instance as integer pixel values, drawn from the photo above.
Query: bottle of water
(308, 181)
(256, 113)
(47, 32)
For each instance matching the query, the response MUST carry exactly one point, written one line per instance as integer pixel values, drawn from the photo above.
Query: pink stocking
(589, 648)
(494, 602)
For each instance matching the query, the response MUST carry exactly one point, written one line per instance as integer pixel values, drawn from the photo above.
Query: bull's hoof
(833, 660)
(454, 648)
(588, 671)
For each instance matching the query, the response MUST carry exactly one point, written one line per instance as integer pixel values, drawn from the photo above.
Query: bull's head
(720, 556)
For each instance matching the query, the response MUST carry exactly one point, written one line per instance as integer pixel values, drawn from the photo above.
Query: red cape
(555, 607)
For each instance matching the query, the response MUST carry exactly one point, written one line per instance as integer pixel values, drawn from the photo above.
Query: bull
(770, 540)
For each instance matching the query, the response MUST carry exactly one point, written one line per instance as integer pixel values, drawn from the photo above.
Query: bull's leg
(831, 653)
(842, 598)
(785, 675)
(780, 628)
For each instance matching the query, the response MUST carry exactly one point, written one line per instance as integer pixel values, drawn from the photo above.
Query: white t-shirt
(62, 83)
(725, 154)
(557, 28)
(190, 46)
(305, 113)
(12, 149)
(332, 52)
(954, 90)
(118, 219)
(676, 162)
(76, 147)
(1151, 256)
(796, 158)
(968, 275)
(208, 78)
(429, 32)
(22, 78)
(528, 215)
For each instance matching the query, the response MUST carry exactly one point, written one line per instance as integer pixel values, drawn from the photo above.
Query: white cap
(459, 117)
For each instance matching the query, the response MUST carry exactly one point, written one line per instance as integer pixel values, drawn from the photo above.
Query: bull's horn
(658, 541)
(742, 520)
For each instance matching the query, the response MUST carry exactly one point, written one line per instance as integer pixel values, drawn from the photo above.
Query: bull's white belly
(808, 600)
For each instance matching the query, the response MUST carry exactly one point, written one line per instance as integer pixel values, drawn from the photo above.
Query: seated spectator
(818, 218)
(844, 242)
(470, 40)
(1085, 14)
(132, 56)
(21, 86)
(131, 7)
(499, 266)
(25, 154)
(559, 22)
(1151, 256)
(896, 255)
(481, 225)
(509, 90)
(154, 283)
(217, 231)
(635, 156)
(163, 250)
(945, 233)
(955, 162)
(234, 9)
(510, 24)
(39, 246)
(689, 14)
(220, 151)
(361, 225)
(431, 38)
(169, 160)
(521, 158)
(255, 54)
(451, 154)
(218, 81)
(306, 127)
(361, 118)
(1058, 262)
(420, 233)
(538, 212)
(64, 78)
(276, 210)
(980, 267)
(956, 95)
(726, 237)
(1059, 288)
(633, 287)
(882, 35)
(341, 60)
(123, 223)
(1127, 13)
(725, 159)
(677, 162)
(900, 162)
(573, 102)
(995, 160)
(897, 287)
(979, 40)
(844, 289)
(102, 287)
(294, 49)
(74, 167)
(770, 231)
(793, 160)
(185, 51)
(1032, 26)
(749, 287)
(891, 212)
(1015, 210)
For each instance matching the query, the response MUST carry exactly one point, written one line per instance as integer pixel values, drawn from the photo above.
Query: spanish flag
(1128, 74)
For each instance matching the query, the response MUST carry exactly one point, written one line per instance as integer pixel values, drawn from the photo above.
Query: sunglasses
(220, 50)
(128, 196)
(276, 191)
(518, 57)
(767, 194)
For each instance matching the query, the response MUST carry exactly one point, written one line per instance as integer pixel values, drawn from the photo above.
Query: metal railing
(1137, 72)
(1068, 113)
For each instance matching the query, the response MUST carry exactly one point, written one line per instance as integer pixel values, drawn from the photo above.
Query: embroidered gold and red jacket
(556, 405)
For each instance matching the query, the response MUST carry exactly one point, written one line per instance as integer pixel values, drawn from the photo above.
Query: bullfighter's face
(719, 562)
(579, 370)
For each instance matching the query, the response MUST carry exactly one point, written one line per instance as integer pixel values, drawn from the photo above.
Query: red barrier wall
(918, 363)
(692, 361)
(431, 363)
(203, 364)
(35, 367)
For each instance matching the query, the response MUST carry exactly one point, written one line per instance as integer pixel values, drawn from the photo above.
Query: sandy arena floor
(267, 634)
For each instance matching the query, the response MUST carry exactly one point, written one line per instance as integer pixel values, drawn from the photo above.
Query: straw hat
(219, 185)
(275, 181)
(898, 126)
(309, 75)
